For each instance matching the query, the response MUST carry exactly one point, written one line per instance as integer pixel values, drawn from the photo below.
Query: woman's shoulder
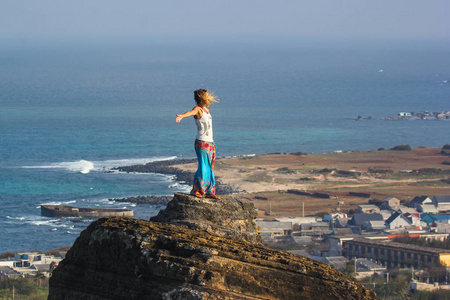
(198, 112)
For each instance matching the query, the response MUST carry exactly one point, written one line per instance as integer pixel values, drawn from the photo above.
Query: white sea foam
(15, 218)
(51, 203)
(85, 166)
(108, 164)
(185, 188)
(40, 221)
(243, 155)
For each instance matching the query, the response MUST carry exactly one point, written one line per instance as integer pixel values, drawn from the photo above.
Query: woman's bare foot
(212, 196)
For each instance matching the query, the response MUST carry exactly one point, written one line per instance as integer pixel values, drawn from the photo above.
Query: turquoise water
(69, 114)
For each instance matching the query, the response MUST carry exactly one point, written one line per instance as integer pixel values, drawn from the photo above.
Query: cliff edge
(123, 258)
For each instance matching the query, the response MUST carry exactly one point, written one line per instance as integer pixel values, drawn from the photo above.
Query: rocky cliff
(122, 258)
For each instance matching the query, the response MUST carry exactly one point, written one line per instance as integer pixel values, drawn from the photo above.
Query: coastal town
(374, 215)
(372, 239)
(423, 116)
(370, 215)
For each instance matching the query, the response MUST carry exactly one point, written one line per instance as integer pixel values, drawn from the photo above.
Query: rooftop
(391, 244)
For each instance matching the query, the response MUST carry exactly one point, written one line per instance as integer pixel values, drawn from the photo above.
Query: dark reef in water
(145, 199)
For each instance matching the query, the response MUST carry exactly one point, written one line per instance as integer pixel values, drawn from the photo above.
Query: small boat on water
(60, 211)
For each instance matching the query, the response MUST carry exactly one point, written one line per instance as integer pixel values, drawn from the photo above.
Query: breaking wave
(85, 166)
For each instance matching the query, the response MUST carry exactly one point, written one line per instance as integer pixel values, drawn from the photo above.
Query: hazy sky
(354, 19)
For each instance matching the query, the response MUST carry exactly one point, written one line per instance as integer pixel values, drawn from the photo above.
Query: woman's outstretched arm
(195, 111)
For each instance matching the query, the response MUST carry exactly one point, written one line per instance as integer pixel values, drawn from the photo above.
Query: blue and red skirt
(204, 182)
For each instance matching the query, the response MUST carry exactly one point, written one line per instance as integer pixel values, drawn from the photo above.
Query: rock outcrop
(122, 258)
(228, 217)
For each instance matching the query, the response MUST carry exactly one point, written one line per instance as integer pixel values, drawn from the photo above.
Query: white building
(27, 263)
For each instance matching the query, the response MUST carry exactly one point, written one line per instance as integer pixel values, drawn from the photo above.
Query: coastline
(171, 167)
(267, 179)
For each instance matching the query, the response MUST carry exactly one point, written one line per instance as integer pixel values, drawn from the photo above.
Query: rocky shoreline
(157, 200)
(166, 168)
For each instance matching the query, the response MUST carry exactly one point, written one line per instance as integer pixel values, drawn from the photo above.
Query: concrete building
(420, 200)
(315, 229)
(422, 286)
(442, 203)
(376, 225)
(297, 221)
(429, 218)
(390, 202)
(27, 263)
(274, 228)
(366, 267)
(405, 210)
(399, 220)
(393, 254)
(337, 241)
(331, 218)
(367, 209)
(414, 219)
(428, 208)
(362, 220)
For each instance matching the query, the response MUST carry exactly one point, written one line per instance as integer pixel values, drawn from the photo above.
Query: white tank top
(204, 127)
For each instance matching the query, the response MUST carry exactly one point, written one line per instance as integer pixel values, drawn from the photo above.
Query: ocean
(70, 112)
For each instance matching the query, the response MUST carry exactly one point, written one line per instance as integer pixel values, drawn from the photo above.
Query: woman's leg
(204, 182)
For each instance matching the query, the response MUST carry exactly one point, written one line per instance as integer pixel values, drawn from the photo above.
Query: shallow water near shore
(70, 114)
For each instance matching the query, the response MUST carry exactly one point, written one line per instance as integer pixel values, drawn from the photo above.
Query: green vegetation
(423, 173)
(326, 171)
(307, 179)
(446, 149)
(424, 295)
(441, 182)
(431, 172)
(445, 244)
(30, 288)
(259, 177)
(446, 162)
(402, 148)
(7, 254)
(381, 171)
(282, 243)
(349, 268)
(286, 170)
(398, 287)
(299, 153)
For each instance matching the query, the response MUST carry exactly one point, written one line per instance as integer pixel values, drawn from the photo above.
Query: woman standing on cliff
(204, 182)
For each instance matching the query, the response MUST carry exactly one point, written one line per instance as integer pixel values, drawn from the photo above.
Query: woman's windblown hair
(204, 97)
